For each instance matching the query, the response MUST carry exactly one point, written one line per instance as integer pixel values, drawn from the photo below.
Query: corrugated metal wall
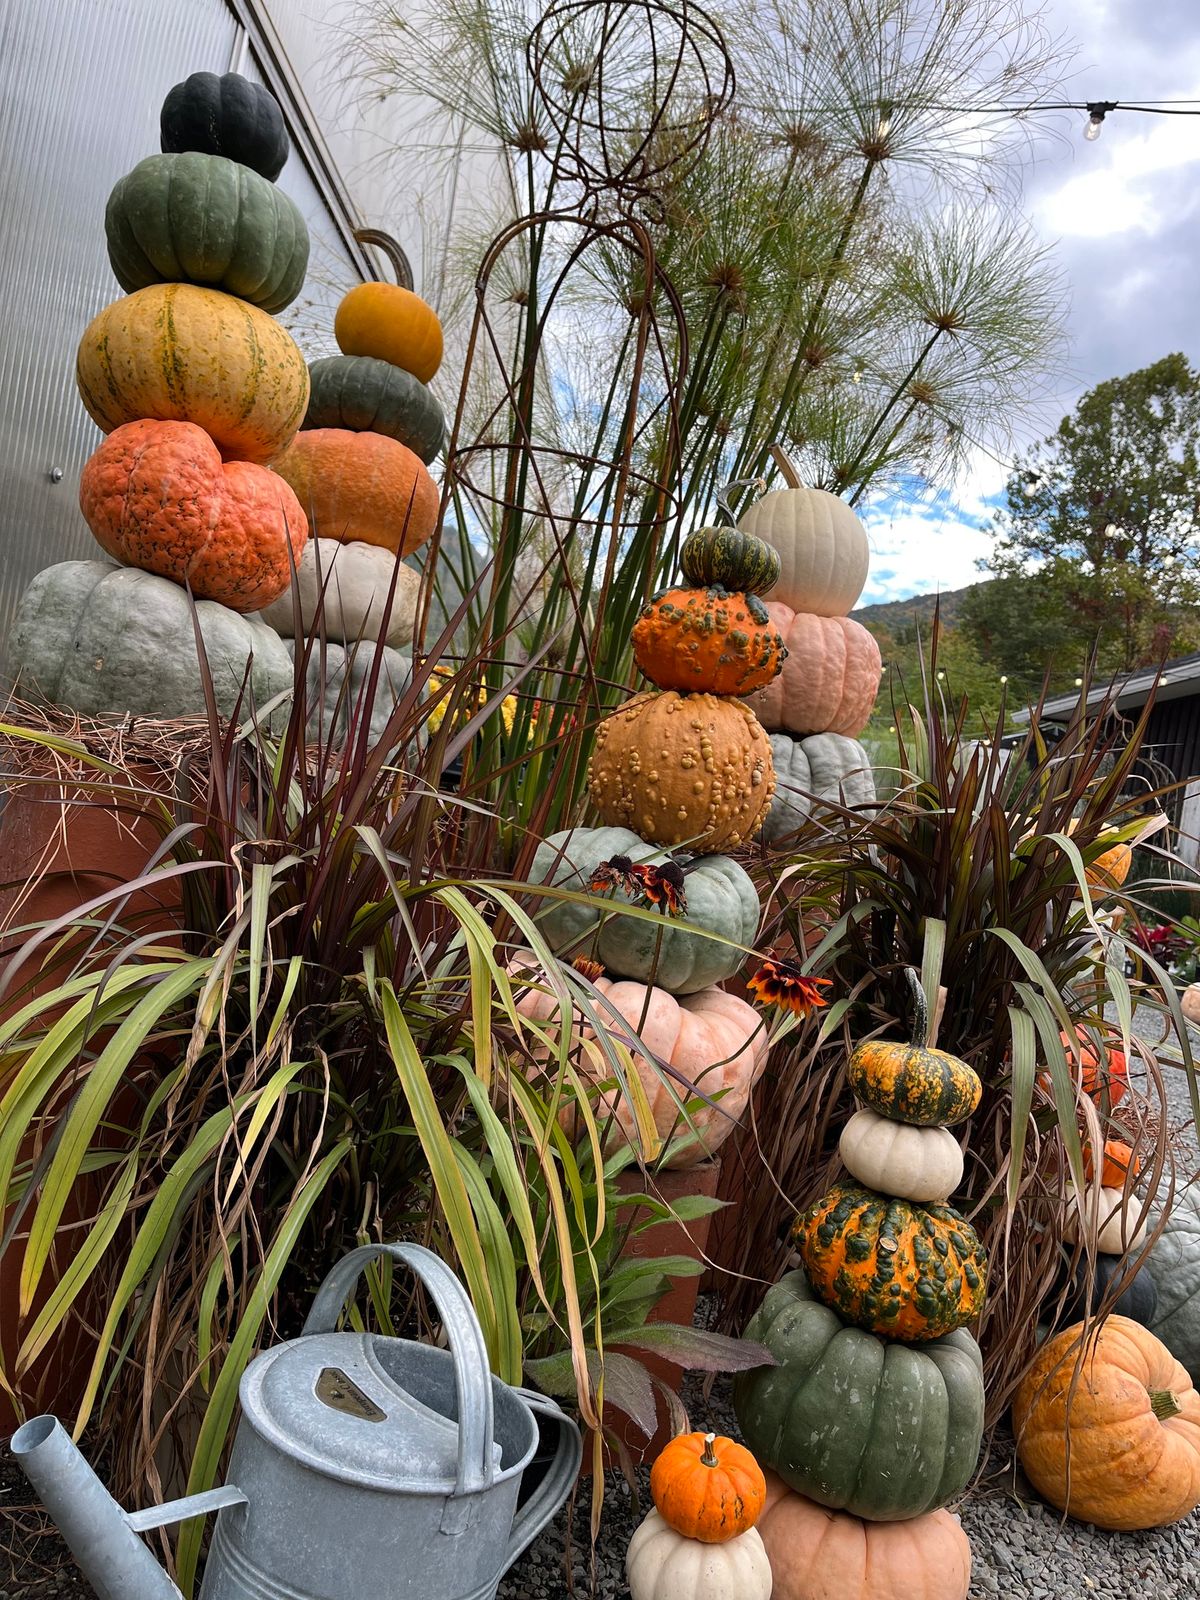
(81, 83)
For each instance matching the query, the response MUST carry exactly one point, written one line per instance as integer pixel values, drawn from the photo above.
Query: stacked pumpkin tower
(677, 774)
(198, 389)
(875, 1409)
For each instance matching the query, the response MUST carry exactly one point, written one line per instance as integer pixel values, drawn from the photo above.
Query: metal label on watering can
(365, 1466)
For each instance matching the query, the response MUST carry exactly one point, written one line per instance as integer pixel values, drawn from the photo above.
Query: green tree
(1101, 530)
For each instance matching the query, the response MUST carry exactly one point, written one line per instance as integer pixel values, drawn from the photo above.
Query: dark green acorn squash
(203, 219)
(727, 558)
(367, 395)
(226, 116)
(1138, 1301)
(885, 1431)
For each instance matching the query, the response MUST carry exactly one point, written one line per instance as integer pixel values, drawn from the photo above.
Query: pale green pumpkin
(1173, 1261)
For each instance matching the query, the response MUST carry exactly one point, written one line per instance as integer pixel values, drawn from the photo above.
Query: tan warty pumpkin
(178, 353)
(682, 768)
(707, 640)
(1108, 1427)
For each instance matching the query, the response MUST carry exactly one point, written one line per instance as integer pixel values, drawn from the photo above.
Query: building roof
(1175, 680)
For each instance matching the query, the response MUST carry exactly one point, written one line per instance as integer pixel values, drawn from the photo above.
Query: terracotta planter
(61, 846)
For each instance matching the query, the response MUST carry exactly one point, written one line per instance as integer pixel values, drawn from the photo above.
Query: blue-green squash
(367, 395)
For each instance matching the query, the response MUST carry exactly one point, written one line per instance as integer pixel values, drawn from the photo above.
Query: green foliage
(948, 659)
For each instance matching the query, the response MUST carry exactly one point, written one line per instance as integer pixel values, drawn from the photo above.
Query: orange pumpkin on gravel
(1113, 1439)
(157, 495)
(361, 486)
(707, 1487)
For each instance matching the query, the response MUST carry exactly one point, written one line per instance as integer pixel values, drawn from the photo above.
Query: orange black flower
(660, 886)
(781, 983)
(592, 970)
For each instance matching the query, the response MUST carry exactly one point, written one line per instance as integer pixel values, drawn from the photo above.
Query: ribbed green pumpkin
(366, 395)
(885, 1431)
(727, 558)
(194, 218)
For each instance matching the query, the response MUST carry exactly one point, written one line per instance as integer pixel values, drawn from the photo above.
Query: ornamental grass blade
(1024, 1070)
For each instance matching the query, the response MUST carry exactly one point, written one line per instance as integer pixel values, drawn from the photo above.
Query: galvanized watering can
(362, 1466)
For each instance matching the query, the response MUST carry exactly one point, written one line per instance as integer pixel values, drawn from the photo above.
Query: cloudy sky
(1123, 215)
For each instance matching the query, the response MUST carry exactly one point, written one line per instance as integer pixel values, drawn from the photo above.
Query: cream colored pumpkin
(661, 1564)
(714, 1040)
(1121, 1223)
(896, 1158)
(819, 1554)
(829, 679)
(822, 547)
(356, 580)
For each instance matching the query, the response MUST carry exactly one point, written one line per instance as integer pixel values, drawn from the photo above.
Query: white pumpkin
(661, 1564)
(356, 579)
(822, 546)
(825, 767)
(920, 1164)
(1122, 1222)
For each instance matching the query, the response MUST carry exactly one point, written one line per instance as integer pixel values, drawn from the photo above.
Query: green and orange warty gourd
(1108, 1427)
(899, 1270)
(157, 495)
(914, 1082)
(682, 768)
(707, 1487)
(829, 680)
(707, 640)
(361, 487)
(820, 1554)
(178, 353)
(727, 558)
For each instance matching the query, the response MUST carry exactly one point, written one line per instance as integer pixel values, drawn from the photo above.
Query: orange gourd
(829, 680)
(157, 495)
(707, 640)
(1115, 1166)
(707, 1487)
(1113, 1438)
(391, 323)
(819, 1554)
(180, 353)
(361, 487)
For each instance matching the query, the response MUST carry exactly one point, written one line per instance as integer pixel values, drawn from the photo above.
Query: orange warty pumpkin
(180, 353)
(361, 486)
(707, 640)
(819, 1554)
(830, 678)
(393, 324)
(1114, 1439)
(157, 496)
(707, 1487)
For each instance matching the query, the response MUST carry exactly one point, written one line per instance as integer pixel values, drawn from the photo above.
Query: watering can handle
(472, 1369)
(560, 1479)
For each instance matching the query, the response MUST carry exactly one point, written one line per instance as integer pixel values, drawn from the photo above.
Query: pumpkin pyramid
(198, 389)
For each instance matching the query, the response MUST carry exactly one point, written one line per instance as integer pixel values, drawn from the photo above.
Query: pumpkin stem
(1164, 1404)
(787, 470)
(724, 493)
(388, 247)
(920, 1032)
(709, 1459)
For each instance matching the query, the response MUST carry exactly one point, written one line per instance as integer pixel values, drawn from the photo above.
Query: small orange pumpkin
(1116, 1164)
(708, 1487)
(707, 640)
(1112, 1438)
(361, 486)
(157, 495)
(391, 323)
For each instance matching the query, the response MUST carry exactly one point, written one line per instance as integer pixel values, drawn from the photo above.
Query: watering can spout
(115, 1561)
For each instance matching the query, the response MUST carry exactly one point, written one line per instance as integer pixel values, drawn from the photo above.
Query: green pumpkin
(727, 558)
(1173, 1261)
(370, 396)
(337, 681)
(824, 768)
(193, 218)
(885, 1431)
(102, 639)
(720, 899)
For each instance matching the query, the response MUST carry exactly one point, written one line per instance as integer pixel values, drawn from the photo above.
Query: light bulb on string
(941, 675)
(1097, 110)
(1079, 683)
(1004, 677)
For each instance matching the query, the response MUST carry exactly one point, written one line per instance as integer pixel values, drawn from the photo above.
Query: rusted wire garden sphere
(630, 87)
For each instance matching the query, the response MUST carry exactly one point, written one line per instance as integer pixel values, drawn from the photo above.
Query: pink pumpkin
(819, 1554)
(716, 1041)
(829, 679)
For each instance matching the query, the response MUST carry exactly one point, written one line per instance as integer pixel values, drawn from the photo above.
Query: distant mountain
(918, 609)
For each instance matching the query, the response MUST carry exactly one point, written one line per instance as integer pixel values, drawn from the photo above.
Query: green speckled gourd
(1173, 1261)
(720, 898)
(367, 395)
(101, 639)
(897, 1269)
(203, 219)
(823, 768)
(727, 558)
(914, 1082)
(885, 1431)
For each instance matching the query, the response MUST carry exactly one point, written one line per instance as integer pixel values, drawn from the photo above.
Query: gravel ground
(1022, 1550)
